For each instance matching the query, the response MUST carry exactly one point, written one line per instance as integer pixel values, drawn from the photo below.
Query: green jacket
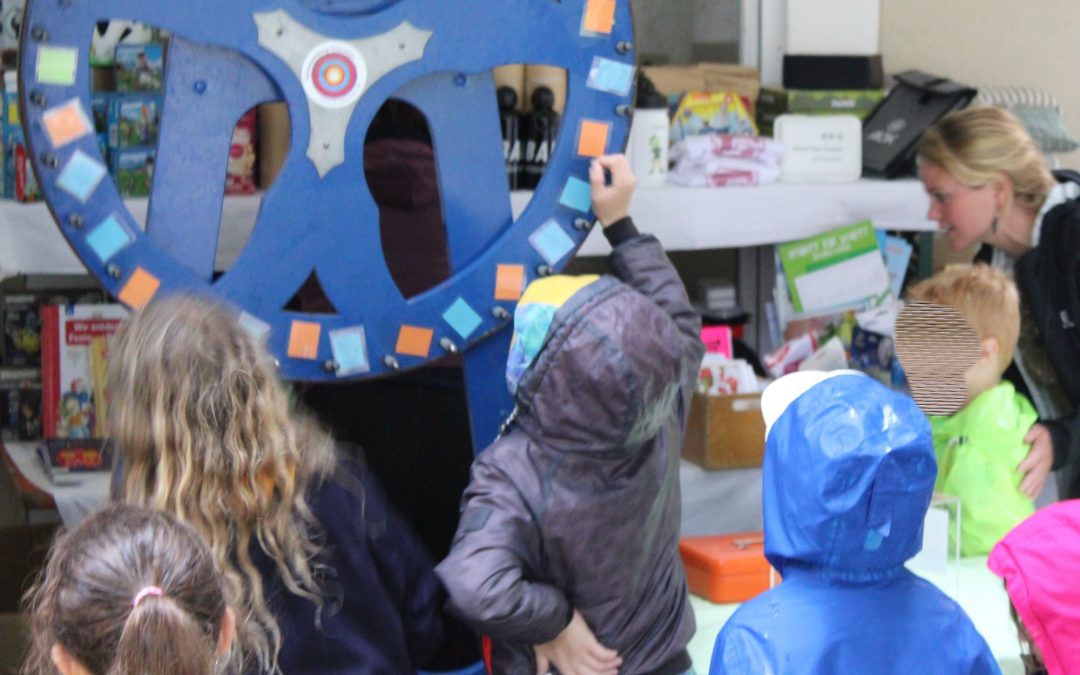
(978, 449)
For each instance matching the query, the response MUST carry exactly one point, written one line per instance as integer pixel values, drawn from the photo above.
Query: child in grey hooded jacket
(566, 554)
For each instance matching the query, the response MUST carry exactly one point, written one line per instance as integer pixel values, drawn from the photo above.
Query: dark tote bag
(892, 131)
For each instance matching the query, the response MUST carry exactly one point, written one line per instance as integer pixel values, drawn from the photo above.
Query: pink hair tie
(149, 590)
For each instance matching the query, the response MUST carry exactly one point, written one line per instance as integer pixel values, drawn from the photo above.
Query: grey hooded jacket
(577, 506)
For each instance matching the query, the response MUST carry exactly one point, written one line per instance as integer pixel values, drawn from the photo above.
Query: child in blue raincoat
(848, 474)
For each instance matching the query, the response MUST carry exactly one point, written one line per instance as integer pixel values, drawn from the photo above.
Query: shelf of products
(681, 218)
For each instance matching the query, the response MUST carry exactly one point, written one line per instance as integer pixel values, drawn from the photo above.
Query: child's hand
(611, 203)
(575, 651)
(1036, 466)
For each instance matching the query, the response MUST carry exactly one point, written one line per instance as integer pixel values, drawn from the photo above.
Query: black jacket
(381, 613)
(1049, 280)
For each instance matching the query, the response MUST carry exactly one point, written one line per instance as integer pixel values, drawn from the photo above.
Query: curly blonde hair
(977, 145)
(207, 432)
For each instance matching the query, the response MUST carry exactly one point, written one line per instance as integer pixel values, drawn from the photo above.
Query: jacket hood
(1037, 560)
(533, 317)
(848, 474)
(608, 375)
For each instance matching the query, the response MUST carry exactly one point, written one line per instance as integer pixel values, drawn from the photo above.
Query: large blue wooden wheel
(334, 62)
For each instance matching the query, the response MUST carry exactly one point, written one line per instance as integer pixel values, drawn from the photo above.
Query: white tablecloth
(719, 502)
(76, 495)
(683, 219)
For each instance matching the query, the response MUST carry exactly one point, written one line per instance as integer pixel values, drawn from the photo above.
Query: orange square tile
(509, 282)
(592, 140)
(139, 289)
(66, 123)
(599, 16)
(414, 341)
(304, 340)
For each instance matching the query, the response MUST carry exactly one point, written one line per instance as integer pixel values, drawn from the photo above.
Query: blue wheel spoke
(208, 89)
(295, 233)
(464, 121)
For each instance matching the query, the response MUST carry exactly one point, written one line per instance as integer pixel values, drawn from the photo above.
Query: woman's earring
(994, 225)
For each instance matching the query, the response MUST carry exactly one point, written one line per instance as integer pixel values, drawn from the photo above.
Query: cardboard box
(675, 80)
(773, 102)
(274, 136)
(726, 568)
(819, 148)
(725, 432)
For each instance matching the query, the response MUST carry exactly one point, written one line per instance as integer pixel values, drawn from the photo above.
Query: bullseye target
(334, 75)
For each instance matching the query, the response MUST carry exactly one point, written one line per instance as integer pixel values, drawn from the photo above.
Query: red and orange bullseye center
(334, 75)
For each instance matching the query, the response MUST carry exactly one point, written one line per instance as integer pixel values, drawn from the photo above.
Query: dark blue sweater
(381, 614)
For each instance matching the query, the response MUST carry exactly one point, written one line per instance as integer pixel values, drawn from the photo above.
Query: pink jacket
(1038, 560)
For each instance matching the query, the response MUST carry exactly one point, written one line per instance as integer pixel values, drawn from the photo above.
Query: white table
(76, 495)
(682, 219)
(719, 502)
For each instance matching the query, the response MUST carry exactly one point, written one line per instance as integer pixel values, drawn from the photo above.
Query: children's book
(838, 270)
(134, 120)
(21, 321)
(897, 256)
(140, 67)
(74, 346)
(133, 170)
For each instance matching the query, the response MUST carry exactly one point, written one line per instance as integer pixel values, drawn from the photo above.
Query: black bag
(892, 131)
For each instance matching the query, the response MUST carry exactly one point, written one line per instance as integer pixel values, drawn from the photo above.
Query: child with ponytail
(130, 590)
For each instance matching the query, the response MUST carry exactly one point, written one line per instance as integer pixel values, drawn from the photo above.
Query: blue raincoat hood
(848, 475)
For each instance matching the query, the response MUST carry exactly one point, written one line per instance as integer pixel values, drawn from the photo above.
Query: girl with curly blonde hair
(323, 574)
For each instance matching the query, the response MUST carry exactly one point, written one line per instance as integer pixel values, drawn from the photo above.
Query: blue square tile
(551, 242)
(462, 318)
(257, 328)
(611, 76)
(81, 176)
(349, 346)
(109, 238)
(577, 194)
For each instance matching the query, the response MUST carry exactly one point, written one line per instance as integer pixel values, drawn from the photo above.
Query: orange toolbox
(726, 568)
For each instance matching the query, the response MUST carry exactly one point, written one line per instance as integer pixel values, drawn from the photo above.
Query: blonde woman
(324, 576)
(988, 183)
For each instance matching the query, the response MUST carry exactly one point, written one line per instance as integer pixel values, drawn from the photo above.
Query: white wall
(990, 42)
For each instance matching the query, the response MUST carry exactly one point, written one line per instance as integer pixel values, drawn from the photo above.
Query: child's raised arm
(639, 260)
